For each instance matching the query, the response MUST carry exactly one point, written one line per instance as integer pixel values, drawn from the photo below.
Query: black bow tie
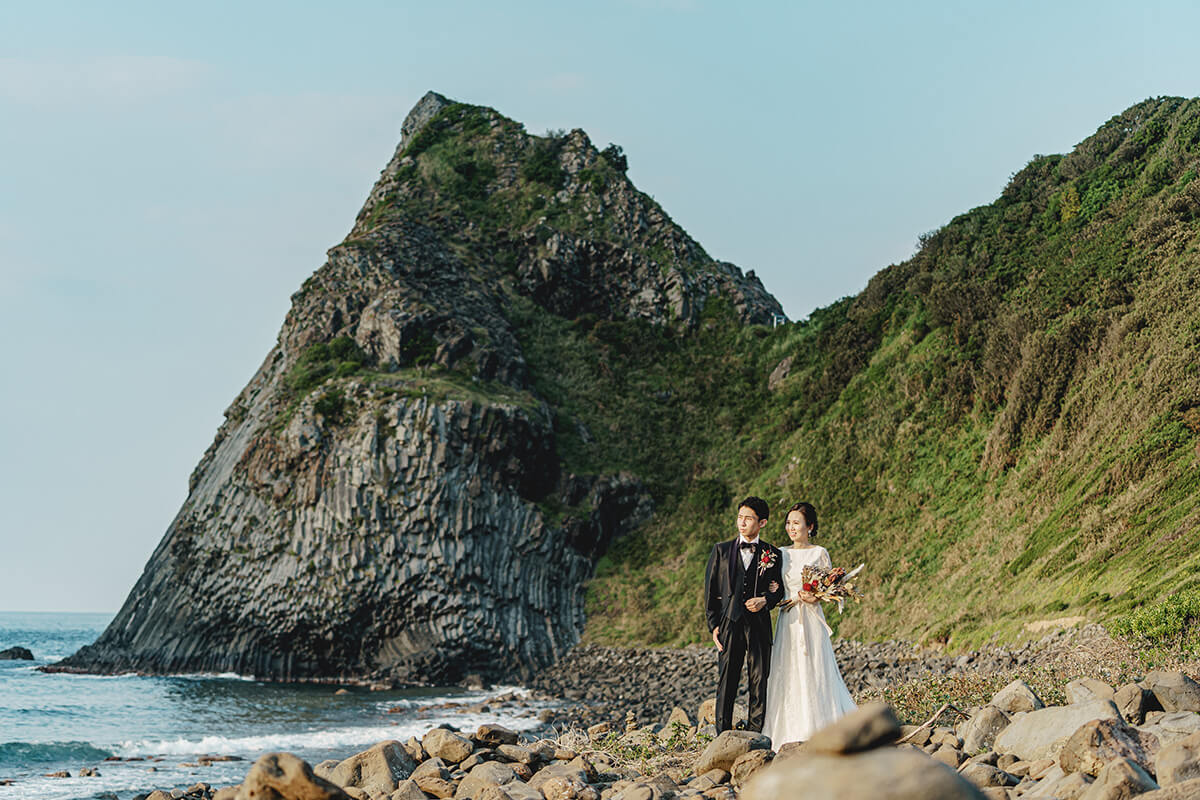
(747, 546)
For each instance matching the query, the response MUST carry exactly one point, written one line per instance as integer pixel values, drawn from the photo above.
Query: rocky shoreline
(636, 724)
(1141, 739)
(648, 682)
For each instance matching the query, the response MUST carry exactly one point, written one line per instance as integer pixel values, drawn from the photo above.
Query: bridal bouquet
(830, 583)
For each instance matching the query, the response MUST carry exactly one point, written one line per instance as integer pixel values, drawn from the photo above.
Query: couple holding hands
(745, 579)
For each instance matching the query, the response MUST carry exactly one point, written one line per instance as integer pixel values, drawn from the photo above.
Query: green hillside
(1005, 427)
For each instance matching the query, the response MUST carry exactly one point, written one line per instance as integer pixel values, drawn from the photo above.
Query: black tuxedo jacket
(724, 583)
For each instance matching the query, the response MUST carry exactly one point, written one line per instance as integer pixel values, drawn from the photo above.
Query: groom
(738, 607)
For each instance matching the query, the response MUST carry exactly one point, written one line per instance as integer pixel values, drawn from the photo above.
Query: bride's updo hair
(810, 517)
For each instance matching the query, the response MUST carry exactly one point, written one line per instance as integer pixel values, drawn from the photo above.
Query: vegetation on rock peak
(1004, 426)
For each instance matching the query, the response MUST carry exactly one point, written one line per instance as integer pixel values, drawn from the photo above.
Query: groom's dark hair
(757, 505)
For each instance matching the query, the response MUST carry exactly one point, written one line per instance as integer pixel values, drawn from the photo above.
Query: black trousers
(743, 645)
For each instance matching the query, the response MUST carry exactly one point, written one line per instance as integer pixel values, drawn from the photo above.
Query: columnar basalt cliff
(388, 497)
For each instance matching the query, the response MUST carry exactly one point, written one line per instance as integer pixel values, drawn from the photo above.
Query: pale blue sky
(171, 173)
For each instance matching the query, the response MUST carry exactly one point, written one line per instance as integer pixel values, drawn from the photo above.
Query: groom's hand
(717, 641)
(755, 604)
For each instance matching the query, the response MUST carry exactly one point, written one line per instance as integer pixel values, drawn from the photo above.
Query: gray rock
(1082, 690)
(515, 752)
(1179, 761)
(407, 790)
(881, 773)
(949, 755)
(493, 735)
(434, 767)
(1174, 690)
(1188, 790)
(1100, 741)
(706, 714)
(447, 745)
(866, 727)
(379, 768)
(1133, 700)
(726, 748)
(283, 775)
(570, 771)
(1172, 726)
(985, 775)
(747, 765)
(981, 729)
(518, 790)
(325, 768)
(678, 715)
(1119, 780)
(1017, 696)
(491, 773)
(16, 654)
(1067, 787)
(1041, 733)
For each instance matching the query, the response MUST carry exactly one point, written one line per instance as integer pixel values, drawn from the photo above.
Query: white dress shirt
(746, 554)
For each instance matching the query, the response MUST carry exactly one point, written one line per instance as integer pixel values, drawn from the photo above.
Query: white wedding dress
(805, 690)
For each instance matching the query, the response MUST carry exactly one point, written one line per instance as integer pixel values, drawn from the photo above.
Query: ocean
(53, 722)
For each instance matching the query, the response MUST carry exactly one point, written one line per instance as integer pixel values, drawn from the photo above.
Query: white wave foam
(229, 745)
(307, 741)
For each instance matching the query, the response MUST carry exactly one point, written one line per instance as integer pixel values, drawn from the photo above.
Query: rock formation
(385, 500)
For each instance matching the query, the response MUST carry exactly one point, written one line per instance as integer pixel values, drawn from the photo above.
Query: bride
(806, 691)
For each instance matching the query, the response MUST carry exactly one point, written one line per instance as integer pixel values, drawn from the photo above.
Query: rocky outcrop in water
(385, 500)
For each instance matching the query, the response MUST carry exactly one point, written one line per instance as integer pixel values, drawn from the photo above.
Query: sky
(171, 173)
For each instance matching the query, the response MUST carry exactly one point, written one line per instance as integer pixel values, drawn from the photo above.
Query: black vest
(746, 576)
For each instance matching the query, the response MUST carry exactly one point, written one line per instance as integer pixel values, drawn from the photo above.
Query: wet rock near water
(16, 654)
(1014, 746)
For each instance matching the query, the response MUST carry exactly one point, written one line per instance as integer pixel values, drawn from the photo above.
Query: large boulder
(377, 769)
(1094, 744)
(1119, 780)
(1041, 733)
(283, 776)
(1017, 696)
(1179, 761)
(882, 773)
(864, 728)
(1173, 726)
(1188, 790)
(981, 729)
(1174, 690)
(727, 747)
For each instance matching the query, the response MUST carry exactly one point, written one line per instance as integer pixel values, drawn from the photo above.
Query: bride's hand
(807, 597)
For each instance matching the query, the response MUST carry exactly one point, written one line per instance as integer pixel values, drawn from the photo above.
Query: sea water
(53, 722)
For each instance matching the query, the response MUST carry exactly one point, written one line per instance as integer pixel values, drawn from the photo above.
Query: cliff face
(388, 497)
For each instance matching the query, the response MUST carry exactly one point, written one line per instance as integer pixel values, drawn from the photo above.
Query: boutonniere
(766, 560)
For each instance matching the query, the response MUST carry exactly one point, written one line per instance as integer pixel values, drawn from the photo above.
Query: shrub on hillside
(1171, 625)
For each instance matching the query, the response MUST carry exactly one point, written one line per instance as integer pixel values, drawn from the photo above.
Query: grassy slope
(1004, 427)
